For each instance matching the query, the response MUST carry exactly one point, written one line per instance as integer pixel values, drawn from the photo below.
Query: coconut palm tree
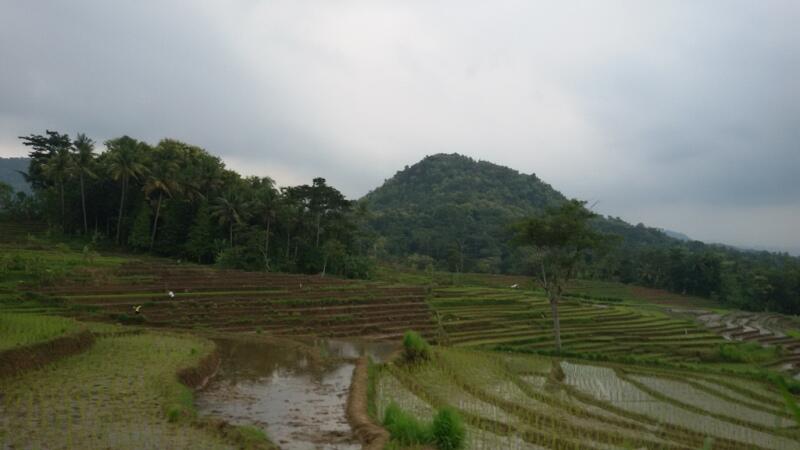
(160, 179)
(58, 168)
(264, 206)
(228, 210)
(124, 162)
(83, 162)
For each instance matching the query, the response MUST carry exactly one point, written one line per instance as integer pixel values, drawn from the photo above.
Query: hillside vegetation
(450, 212)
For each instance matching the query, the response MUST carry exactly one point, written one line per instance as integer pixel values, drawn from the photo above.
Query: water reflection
(297, 398)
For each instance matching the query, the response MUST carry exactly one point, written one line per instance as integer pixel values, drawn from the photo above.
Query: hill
(450, 212)
(9, 173)
(457, 211)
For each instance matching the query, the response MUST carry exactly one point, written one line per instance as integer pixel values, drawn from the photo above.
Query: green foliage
(405, 428)
(448, 430)
(175, 199)
(749, 352)
(415, 348)
(139, 237)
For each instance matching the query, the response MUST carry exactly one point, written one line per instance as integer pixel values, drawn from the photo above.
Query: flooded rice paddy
(296, 395)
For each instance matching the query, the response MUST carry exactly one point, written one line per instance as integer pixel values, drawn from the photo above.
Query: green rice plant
(405, 428)
(19, 329)
(415, 348)
(448, 430)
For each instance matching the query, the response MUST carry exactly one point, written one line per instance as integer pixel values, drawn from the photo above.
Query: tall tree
(83, 159)
(561, 238)
(160, 180)
(124, 162)
(42, 148)
(58, 168)
(264, 207)
(228, 210)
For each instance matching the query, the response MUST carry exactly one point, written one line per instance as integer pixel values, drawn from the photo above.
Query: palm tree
(124, 163)
(263, 205)
(83, 160)
(57, 168)
(228, 210)
(161, 179)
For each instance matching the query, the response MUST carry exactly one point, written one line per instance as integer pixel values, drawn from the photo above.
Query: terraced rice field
(280, 304)
(516, 320)
(515, 401)
(114, 395)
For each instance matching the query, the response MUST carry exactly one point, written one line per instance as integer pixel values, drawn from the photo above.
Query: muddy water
(298, 400)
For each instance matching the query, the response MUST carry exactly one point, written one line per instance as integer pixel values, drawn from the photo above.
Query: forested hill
(454, 213)
(9, 173)
(457, 211)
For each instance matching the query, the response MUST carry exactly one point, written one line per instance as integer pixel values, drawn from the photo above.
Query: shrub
(415, 348)
(405, 428)
(448, 430)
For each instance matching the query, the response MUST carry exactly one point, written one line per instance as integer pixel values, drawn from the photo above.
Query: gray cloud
(678, 114)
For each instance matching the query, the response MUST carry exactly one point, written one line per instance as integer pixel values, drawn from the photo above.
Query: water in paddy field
(298, 400)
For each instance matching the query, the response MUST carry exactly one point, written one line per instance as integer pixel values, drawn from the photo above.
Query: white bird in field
(171, 294)
(137, 308)
(514, 286)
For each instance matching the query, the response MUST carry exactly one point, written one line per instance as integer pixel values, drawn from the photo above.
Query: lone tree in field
(560, 238)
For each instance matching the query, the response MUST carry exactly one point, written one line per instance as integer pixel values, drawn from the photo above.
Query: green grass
(21, 329)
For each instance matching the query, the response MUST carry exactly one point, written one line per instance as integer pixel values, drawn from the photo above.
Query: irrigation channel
(296, 397)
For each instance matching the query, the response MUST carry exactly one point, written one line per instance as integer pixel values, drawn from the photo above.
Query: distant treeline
(742, 279)
(175, 199)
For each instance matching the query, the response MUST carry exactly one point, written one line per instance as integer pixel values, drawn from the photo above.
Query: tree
(561, 238)
(83, 162)
(160, 180)
(57, 169)
(6, 196)
(124, 162)
(264, 207)
(42, 148)
(228, 211)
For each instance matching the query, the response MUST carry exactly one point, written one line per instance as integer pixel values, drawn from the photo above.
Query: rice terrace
(198, 365)
(400, 225)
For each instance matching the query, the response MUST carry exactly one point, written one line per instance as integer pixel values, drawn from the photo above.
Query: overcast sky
(679, 114)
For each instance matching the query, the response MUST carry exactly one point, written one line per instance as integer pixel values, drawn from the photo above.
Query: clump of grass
(405, 428)
(415, 348)
(446, 432)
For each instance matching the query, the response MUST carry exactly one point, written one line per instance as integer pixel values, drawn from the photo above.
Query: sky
(679, 114)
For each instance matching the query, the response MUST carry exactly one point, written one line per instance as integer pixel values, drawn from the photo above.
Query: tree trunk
(121, 207)
(266, 246)
(319, 220)
(288, 243)
(83, 205)
(63, 210)
(155, 221)
(230, 233)
(556, 322)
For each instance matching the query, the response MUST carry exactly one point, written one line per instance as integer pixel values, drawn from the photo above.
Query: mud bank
(371, 435)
